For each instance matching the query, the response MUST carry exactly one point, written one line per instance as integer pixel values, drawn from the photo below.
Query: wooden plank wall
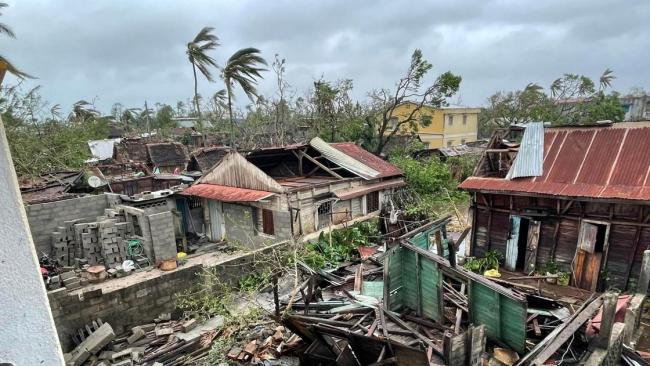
(629, 234)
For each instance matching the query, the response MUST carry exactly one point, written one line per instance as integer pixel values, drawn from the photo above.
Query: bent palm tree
(197, 53)
(243, 68)
(5, 65)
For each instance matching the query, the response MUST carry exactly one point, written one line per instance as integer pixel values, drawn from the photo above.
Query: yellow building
(450, 126)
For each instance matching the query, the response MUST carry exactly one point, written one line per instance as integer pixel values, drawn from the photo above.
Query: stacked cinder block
(112, 246)
(91, 247)
(61, 249)
(162, 236)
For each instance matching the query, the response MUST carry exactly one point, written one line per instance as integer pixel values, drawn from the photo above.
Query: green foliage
(255, 282)
(431, 180)
(551, 267)
(480, 265)
(340, 246)
(463, 166)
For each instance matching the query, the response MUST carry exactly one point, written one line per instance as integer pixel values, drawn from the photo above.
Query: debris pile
(165, 342)
(265, 343)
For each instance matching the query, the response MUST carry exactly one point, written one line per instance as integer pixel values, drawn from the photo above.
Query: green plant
(551, 267)
(473, 264)
(492, 259)
(563, 278)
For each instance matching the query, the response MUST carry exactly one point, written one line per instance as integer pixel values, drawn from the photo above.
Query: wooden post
(451, 248)
(609, 310)
(276, 296)
(644, 276)
(477, 345)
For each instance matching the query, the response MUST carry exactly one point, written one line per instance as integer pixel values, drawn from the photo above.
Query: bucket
(168, 265)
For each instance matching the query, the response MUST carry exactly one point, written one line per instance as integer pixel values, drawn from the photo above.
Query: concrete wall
(241, 228)
(44, 218)
(141, 297)
(27, 334)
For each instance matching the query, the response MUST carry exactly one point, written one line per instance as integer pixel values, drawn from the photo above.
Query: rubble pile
(165, 342)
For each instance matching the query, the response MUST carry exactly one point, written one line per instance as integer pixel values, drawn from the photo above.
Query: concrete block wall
(45, 218)
(162, 235)
(282, 223)
(138, 302)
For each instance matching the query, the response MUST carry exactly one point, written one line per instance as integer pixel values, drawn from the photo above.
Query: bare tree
(409, 89)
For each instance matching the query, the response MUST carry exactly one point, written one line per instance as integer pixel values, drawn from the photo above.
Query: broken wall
(559, 234)
(140, 297)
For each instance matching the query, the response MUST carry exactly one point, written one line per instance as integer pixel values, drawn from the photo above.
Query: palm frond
(197, 51)
(606, 78)
(244, 68)
(13, 70)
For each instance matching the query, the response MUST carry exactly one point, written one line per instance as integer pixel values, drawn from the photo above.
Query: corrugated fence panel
(421, 240)
(513, 320)
(409, 280)
(429, 281)
(504, 318)
(484, 309)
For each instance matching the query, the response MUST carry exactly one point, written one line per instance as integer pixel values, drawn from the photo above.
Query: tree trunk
(232, 120)
(196, 102)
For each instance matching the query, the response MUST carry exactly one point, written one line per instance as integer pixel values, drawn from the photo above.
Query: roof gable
(167, 153)
(235, 171)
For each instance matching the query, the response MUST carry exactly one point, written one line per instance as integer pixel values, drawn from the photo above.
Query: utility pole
(146, 110)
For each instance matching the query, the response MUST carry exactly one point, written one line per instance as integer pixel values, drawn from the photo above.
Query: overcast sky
(129, 51)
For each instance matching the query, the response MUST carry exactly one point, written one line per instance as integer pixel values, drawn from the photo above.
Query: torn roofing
(384, 168)
(205, 158)
(225, 193)
(606, 163)
(167, 153)
(530, 157)
(102, 149)
(355, 159)
(131, 149)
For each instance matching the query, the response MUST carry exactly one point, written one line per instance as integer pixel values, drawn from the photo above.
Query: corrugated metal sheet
(504, 318)
(348, 193)
(225, 194)
(343, 160)
(103, 149)
(530, 157)
(607, 163)
(369, 159)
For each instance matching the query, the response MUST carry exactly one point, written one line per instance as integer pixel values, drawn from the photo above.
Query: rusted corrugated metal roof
(607, 163)
(376, 163)
(225, 193)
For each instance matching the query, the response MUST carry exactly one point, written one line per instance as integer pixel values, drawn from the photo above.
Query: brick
(138, 333)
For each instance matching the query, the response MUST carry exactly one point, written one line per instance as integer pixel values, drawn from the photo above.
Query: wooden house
(283, 192)
(575, 196)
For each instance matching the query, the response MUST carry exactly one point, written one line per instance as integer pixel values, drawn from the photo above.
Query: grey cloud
(129, 51)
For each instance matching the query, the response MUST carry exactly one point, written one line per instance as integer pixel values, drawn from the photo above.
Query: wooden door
(589, 255)
(531, 246)
(512, 250)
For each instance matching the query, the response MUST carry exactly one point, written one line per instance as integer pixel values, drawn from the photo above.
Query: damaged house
(283, 192)
(577, 197)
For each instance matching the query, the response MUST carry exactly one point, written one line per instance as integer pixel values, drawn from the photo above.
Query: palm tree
(5, 65)
(243, 68)
(197, 53)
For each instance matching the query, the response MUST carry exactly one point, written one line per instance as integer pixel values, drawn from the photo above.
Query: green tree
(243, 68)
(197, 53)
(409, 89)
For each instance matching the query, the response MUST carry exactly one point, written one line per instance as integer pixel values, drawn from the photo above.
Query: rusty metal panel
(224, 193)
(605, 163)
(601, 157)
(634, 159)
(356, 152)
